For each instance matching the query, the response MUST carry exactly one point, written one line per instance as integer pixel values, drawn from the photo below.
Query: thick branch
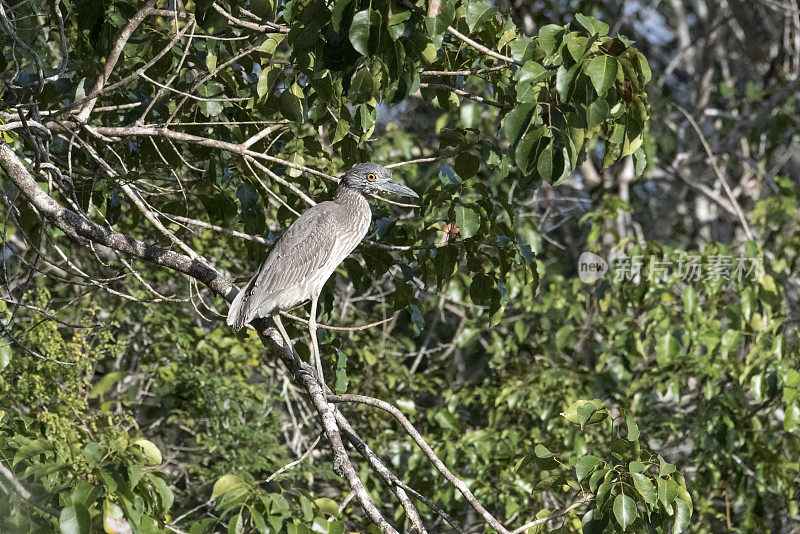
(81, 228)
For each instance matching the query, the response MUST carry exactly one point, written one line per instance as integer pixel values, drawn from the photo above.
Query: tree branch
(113, 57)
(415, 435)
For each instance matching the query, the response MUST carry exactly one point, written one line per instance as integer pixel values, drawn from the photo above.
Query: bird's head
(372, 178)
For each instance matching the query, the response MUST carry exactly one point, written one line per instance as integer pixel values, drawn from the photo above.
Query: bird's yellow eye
(371, 177)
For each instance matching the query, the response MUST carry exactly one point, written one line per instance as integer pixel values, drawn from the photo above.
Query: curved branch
(415, 435)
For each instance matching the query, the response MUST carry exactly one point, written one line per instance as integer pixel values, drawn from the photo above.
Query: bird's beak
(390, 186)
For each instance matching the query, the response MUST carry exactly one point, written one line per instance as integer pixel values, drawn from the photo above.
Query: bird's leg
(276, 318)
(312, 329)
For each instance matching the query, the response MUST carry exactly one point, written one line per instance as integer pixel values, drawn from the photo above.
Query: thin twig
(585, 498)
(340, 328)
(720, 177)
(294, 462)
(437, 463)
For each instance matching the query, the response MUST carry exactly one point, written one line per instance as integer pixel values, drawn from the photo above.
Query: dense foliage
(659, 396)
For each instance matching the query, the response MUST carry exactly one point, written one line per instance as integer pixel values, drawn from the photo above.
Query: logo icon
(591, 267)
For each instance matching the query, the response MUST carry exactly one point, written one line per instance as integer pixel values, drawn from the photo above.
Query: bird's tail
(244, 309)
(239, 310)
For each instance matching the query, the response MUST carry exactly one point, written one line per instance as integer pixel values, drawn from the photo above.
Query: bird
(308, 252)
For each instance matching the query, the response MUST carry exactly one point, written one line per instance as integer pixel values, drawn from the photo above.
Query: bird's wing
(303, 249)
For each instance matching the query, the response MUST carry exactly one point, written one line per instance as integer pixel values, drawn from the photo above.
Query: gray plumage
(306, 255)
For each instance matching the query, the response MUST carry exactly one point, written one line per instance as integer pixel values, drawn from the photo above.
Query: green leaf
(437, 26)
(236, 524)
(641, 66)
(305, 507)
(603, 492)
(327, 506)
(74, 519)
(342, 129)
(666, 349)
(467, 220)
(550, 38)
(362, 87)
(522, 48)
(585, 411)
(164, 491)
(593, 522)
(542, 452)
(226, 484)
(596, 113)
(92, 451)
(592, 25)
(550, 163)
(602, 70)
(667, 491)
(482, 289)
(210, 90)
(266, 79)
(525, 155)
(533, 72)
(114, 518)
(102, 385)
(32, 448)
(445, 263)
(467, 164)
(597, 476)
(476, 14)
(549, 482)
(397, 25)
(516, 122)
(586, 465)
(271, 43)
(636, 467)
(588, 412)
(337, 12)
(645, 487)
(665, 468)
(211, 61)
(576, 45)
(280, 505)
(5, 356)
(689, 297)
(565, 78)
(624, 510)
(633, 428)
(291, 106)
(639, 162)
(150, 451)
(364, 31)
(683, 515)
(730, 340)
(258, 521)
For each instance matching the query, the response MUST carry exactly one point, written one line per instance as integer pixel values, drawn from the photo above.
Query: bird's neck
(349, 196)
